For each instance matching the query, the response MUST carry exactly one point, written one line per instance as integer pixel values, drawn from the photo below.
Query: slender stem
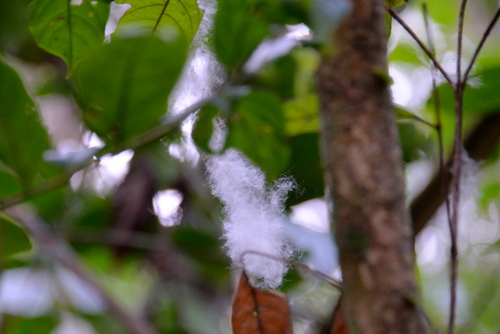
(460, 35)
(422, 46)
(437, 108)
(150, 136)
(457, 169)
(61, 252)
(481, 44)
(316, 273)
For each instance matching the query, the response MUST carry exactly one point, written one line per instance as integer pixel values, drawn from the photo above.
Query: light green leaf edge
(23, 139)
(395, 3)
(13, 238)
(184, 15)
(68, 31)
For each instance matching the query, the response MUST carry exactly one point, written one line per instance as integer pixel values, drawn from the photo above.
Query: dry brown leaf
(339, 325)
(259, 312)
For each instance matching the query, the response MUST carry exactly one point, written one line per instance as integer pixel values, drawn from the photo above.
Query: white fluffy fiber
(203, 74)
(254, 218)
(254, 215)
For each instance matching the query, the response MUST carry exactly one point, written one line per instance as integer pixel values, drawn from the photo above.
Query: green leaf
(184, 15)
(66, 30)
(125, 84)
(395, 3)
(302, 115)
(404, 115)
(237, 31)
(10, 184)
(480, 99)
(23, 139)
(388, 24)
(204, 249)
(13, 238)
(279, 76)
(257, 128)
(29, 325)
(305, 167)
(202, 131)
(414, 143)
(13, 24)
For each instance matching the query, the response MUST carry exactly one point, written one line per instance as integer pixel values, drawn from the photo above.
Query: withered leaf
(338, 325)
(259, 312)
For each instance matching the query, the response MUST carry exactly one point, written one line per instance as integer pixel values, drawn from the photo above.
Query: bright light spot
(271, 49)
(91, 140)
(166, 205)
(33, 292)
(406, 78)
(76, 2)
(26, 292)
(299, 32)
(74, 325)
(418, 175)
(115, 14)
(111, 170)
(117, 164)
(432, 250)
(312, 214)
(185, 151)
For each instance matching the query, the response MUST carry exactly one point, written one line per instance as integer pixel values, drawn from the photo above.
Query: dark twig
(457, 171)
(61, 252)
(295, 264)
(422, 46)
(479, 144)
(480, 45)
(437, 108)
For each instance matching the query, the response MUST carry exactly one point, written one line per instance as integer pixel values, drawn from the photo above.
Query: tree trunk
(365, 178)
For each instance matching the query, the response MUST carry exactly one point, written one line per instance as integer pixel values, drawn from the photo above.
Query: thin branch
(45, 187)
(61, 252)
(148, 137)
(460, 35)
(481, 44)
(422, 46)
(443, 186)
(337, 284)
(117, 237)
(457, 171)
(481, 141)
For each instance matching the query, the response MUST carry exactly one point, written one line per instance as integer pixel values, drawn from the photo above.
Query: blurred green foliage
(178, 276)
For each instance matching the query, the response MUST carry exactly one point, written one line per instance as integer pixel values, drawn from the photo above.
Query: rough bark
(364, 175)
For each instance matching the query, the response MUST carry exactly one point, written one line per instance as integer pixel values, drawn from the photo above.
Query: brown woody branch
(364, 174)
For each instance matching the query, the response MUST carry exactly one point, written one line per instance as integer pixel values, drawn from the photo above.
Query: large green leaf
(23, 139)
(306, 168)
(302, 115)
(9, 184)
(17, 324)
(203, 128)
(13, 239)
(66, 30)
(124, 85)
(237, 31)
(184, 15)
(257, 128)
